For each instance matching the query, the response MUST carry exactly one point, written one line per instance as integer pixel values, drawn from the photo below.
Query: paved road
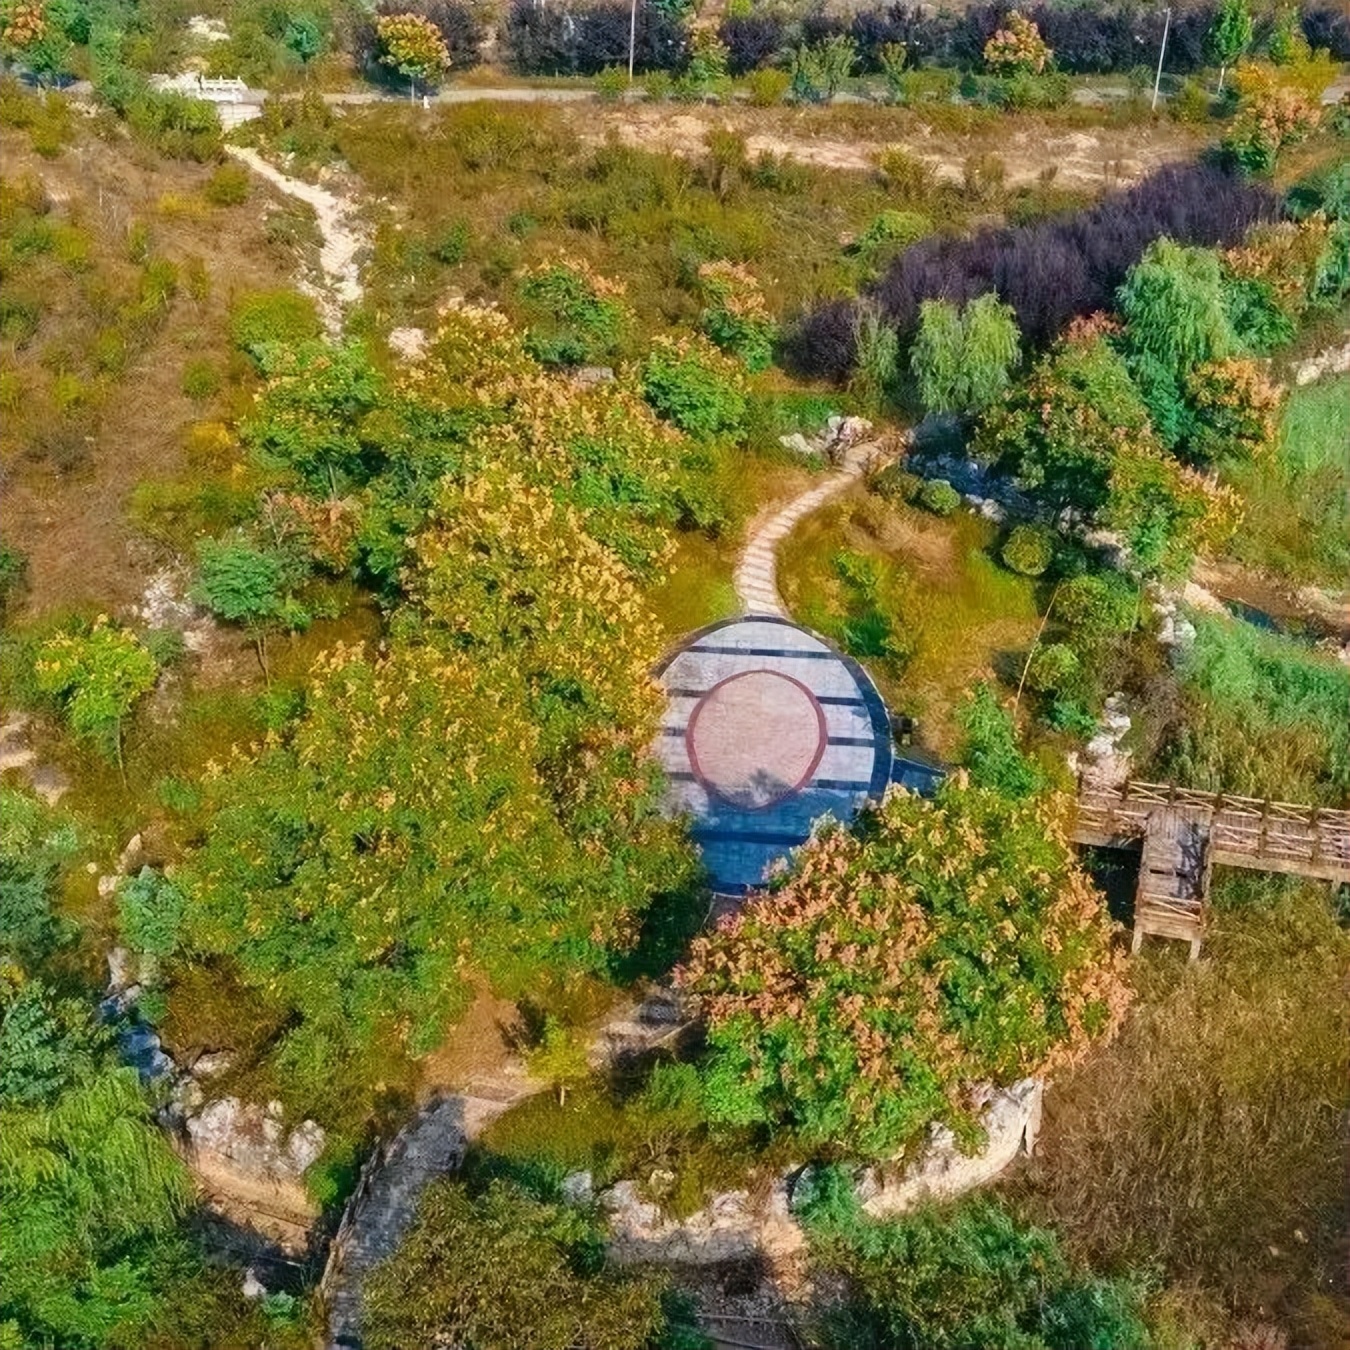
(505, 94)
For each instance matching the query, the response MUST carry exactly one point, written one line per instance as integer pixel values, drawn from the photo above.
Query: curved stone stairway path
(433, 1144)
(756, 577)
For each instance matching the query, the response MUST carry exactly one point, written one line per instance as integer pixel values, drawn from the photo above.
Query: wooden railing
(1239, 827)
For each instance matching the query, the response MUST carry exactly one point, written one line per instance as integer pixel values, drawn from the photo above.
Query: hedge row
(1050, 272)
(544, 39)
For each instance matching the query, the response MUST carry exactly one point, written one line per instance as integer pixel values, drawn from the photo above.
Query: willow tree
(962, 360)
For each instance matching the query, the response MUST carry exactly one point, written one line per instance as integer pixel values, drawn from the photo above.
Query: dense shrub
(261, 318)
(735, 316)
(150, 913)
(949, 1279)
(767, 88)
(1049, 272)
(575, 315)
(752, 40)
(937, 944)
(548, 40)
(938, 496)
(227, 186)
(504, 1268)
(176, 125)
(1028, 550)
(989, 749)
(694, 386)
(97, 675)
(1076, 433)
(1272, 116)
(891, 231)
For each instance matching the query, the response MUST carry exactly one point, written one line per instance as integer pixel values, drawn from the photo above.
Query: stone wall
(734, 1224)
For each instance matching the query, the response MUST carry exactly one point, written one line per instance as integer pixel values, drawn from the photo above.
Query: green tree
(935, 358)
(304, 38)
(413, 46)
(1229, 35)
(818, 71)
(935, 945)
(99, 676)
(1287, 45)
(961, 361)
(311, 419)
(559, 1058)
(1058, 432)
(876, 355)
(417, 827)
(1173, 305)
(503, 1268)
(247, 585)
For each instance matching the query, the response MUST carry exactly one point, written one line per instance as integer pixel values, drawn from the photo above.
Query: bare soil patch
(1088, 158)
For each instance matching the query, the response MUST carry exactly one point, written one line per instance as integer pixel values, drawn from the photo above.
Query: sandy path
(343, 235)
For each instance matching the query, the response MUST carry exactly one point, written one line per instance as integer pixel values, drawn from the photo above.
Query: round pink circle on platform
(756, 738)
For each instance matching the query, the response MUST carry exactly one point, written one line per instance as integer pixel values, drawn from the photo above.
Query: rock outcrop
(733, 1224)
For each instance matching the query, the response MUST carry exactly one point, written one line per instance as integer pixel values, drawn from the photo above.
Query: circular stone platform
(767, 728)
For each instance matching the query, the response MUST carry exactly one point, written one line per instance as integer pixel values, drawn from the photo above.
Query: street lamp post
(1162, 50)
(632, 40)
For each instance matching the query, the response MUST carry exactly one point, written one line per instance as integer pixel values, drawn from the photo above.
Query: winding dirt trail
(343, 236)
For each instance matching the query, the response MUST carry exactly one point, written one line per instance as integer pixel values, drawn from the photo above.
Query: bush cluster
(1085, 39)
(690, 383)
(966, 1276)
(1049, 272)
(551, 40)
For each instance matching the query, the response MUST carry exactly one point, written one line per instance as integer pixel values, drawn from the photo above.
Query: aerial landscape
(674, 675)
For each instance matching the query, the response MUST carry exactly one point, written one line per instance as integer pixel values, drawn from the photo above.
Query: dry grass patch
(69, 476)
(1208, 1142)
(955, 613)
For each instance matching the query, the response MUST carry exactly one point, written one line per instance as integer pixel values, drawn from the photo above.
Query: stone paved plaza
(767, 728)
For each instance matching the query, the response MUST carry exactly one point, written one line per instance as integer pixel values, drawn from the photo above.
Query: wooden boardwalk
(1182, 833)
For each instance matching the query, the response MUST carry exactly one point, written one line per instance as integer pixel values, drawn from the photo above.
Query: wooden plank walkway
(1183, 832)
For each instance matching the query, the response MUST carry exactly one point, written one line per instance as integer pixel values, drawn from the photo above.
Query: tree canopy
(405, 834)
(936, 945)
(962, 359)
(503, 1268)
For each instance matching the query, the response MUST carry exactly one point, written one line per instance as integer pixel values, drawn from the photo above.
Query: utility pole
(1162, 51)
(632, 39)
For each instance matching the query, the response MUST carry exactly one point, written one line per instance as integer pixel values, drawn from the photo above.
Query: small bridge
(1182, 833)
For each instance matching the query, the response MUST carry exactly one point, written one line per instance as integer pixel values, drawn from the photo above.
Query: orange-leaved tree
(935, 947)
